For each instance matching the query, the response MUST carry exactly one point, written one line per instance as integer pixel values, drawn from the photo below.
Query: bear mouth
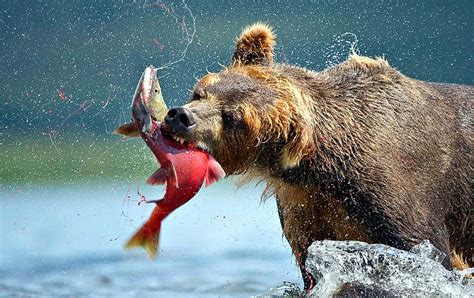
(183, 141)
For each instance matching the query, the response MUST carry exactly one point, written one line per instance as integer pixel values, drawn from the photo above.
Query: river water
(68, 240)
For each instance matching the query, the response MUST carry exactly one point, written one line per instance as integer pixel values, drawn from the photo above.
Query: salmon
(183, 167)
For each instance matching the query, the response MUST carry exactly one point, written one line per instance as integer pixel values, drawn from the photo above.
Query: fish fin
(162, 175)
(214, 171)
(128, 130)
(147, 239)
(158, 177)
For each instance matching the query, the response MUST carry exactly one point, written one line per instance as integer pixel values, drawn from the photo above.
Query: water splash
(341, 47)
(287, 289)
(381, 269)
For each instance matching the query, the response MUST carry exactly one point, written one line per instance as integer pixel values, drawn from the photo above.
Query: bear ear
(254, 46)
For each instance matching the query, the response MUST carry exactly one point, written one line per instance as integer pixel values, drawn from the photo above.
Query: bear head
(247, 115)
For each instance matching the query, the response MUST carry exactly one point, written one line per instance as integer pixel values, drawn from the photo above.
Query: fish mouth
(184, 141)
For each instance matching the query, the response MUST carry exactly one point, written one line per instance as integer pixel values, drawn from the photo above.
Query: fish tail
(147, 238)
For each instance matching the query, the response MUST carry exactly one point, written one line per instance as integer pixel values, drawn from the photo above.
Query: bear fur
(358, 151)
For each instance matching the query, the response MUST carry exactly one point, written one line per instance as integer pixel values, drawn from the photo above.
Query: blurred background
(69, 188)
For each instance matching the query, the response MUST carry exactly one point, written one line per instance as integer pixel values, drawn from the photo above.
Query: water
(69, 241)
(379, 268)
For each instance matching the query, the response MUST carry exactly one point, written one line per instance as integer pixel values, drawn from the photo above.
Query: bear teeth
(178, 139)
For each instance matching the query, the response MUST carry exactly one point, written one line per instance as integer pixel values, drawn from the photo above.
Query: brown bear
(354, 152)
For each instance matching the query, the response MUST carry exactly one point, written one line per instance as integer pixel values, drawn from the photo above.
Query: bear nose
(180, 120)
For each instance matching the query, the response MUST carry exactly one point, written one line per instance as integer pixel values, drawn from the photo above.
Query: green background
(95, 51)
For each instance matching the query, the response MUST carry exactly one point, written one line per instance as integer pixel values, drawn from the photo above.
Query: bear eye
(198, 95)
(229, 120)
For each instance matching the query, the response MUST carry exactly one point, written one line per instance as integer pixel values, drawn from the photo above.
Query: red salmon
(184, 167)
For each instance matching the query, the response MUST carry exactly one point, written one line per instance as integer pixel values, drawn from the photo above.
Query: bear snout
(180, 120)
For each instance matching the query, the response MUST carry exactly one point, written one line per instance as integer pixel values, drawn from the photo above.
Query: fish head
(148, 104)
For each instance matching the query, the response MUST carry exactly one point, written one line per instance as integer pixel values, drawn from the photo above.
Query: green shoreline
(74, 159)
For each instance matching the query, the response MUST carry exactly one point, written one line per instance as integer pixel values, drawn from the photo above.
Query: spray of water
(342, 46)
(381, 269)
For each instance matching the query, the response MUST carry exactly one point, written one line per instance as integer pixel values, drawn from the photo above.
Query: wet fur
(355, 152)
